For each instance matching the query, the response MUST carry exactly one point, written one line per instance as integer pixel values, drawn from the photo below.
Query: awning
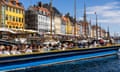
(7, 30)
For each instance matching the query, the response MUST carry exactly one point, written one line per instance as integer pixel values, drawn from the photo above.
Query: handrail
(57, 51)
(52, 55)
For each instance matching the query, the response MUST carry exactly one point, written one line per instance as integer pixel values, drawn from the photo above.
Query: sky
(108, 11)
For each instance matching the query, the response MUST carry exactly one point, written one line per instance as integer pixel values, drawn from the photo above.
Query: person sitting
(101, 41)
(29, 50)
(39, 48)
(14, 50)
(7, 50)
(1, 50)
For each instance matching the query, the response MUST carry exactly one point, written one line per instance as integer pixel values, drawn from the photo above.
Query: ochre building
(11, 14)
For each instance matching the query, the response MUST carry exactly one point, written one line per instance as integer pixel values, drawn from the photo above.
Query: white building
(38, 18)
(58, 22)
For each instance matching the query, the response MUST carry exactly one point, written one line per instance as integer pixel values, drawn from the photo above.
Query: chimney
(40, 4)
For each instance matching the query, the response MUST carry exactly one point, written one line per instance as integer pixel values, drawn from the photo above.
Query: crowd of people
(27, 49)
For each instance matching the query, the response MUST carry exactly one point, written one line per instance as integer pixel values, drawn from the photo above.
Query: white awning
(7, 30)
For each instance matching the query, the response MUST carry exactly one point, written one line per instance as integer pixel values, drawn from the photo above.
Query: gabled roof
(37, 8)
(10, 3)
(64, 18)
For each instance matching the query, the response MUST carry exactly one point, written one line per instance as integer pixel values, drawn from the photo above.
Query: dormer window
(14, 3)
(43, 12)
(7, 0)
(20, 4)
(40, 11)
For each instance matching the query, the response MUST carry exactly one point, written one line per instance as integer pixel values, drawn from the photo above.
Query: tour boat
(55, 57)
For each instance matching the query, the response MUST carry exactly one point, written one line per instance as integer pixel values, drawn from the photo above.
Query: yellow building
(11, 14)
(69, 28)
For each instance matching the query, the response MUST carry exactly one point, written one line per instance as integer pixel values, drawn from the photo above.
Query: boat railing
(36, 51)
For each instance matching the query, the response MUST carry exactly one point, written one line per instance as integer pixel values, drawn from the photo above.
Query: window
(13, 18)
(6, 17)
(16, 27)
(22, 19)
(22, 11)
(17, 19)
(11, 9)
(14, 10)
(41, 12)
(17, 10)
(7, 0)
(14, 2)
(10, 17)
(9, 26)
(6, 7)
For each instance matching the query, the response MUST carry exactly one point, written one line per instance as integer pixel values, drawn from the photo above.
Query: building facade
(69, 27)
(11, 14)
(79, 28)
(58, 22)
(101, 32)
(38, 18)
(63, 25)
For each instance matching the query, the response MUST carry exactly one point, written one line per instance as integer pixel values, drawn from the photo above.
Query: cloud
(107, 14)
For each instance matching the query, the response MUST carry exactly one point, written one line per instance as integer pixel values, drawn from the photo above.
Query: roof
(10, 3)
(41, 9)
(64, 18)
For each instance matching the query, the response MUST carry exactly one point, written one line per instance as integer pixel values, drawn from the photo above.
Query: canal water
(104, 64)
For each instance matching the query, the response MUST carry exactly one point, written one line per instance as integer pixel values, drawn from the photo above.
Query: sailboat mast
(85, 21)
(51, 17)
(96, 26)
(75, 31)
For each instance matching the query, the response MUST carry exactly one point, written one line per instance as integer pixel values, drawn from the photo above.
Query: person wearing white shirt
(29, 50)
(1, 51)
(7, 50)
(14, 50)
